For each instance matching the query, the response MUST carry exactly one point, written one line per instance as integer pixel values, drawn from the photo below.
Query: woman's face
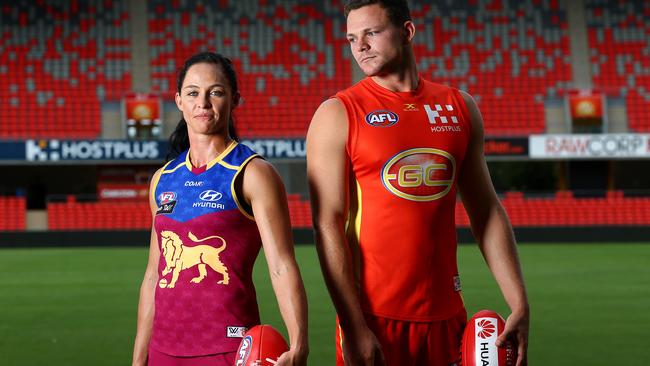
(206, 100)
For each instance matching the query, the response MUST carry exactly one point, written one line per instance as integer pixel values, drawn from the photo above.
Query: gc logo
(420, 174)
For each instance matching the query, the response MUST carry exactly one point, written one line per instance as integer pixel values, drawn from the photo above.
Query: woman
(214, 205)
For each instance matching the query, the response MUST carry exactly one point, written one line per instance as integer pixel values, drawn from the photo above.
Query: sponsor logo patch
(167, 203)
(410, 107)
(194, 183)
(210, 195)
(420, 174)
(208, 199)
(440, 117)
(457, 286)
(485, 351)
(382, 118)
(235, 332)
(486, 328)
(167, 197)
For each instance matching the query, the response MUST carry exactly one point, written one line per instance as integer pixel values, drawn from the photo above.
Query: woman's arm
(264, 191)
(146, 306)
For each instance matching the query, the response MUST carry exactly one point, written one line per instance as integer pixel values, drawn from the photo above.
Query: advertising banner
(590, 146)
(506, 147)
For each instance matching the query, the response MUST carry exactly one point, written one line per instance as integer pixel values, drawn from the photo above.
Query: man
(385, 159)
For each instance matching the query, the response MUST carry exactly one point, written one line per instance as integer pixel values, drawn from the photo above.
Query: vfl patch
(166, 197)
(235, 332)
(244, 351)
(382, 118)
(167, 203)
(420, 174)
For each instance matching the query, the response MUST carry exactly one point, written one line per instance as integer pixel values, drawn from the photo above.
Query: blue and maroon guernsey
(208, 243)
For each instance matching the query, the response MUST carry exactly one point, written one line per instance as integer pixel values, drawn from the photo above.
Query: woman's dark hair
(179, 140)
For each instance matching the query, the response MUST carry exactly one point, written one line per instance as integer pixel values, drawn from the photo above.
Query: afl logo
(244, 351)
(420, 174)
(382, 118)
(210, 195)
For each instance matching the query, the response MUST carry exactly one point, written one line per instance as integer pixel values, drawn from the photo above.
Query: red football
(261, 345)
(479, 341)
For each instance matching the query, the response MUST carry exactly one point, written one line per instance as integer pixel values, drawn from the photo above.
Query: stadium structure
(86, 105)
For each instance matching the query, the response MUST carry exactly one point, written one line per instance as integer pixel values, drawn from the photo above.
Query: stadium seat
(511, 56)
(299, 211)
(59, 61)
(620, 55)
(12, 213)
(289, 56)
(563, 209)
(101, 215)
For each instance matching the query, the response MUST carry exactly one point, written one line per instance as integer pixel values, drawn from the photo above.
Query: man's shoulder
(331, 110)
(355, 90)
(329, 123)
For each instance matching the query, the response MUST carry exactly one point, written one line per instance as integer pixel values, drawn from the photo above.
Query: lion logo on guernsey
(382, 118)
(420, 174)
(179, 257)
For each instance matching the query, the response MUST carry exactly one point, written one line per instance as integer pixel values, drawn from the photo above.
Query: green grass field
(590, 303)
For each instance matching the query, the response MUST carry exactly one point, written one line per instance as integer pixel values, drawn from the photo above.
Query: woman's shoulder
(261, 173)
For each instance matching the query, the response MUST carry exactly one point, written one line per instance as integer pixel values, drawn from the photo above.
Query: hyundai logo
(210, 195)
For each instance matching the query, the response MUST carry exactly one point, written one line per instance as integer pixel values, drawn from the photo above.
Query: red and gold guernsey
(406, 150)
(205, 298)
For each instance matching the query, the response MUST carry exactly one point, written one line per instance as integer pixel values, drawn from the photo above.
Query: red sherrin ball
(479, 341)
(260, 344)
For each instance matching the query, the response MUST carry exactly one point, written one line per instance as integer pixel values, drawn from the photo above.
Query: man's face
(376, 43)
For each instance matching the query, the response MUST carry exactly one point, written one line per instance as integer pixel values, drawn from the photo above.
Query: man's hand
(362, 349)
(516, 331)
(291, 358)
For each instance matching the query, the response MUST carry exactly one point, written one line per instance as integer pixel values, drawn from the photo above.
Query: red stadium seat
(12, 213)
(107, 215)
(289, 56)
(299, 211)
(562, 209)
(620, 61)
(566, 210)
(510, 58)
(59, 63)
(104, 215)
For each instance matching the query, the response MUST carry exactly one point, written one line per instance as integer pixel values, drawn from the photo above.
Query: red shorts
(406, 343)
(157, 358)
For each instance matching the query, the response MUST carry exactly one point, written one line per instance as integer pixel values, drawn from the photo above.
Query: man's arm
(491, 228)
(328, 175)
